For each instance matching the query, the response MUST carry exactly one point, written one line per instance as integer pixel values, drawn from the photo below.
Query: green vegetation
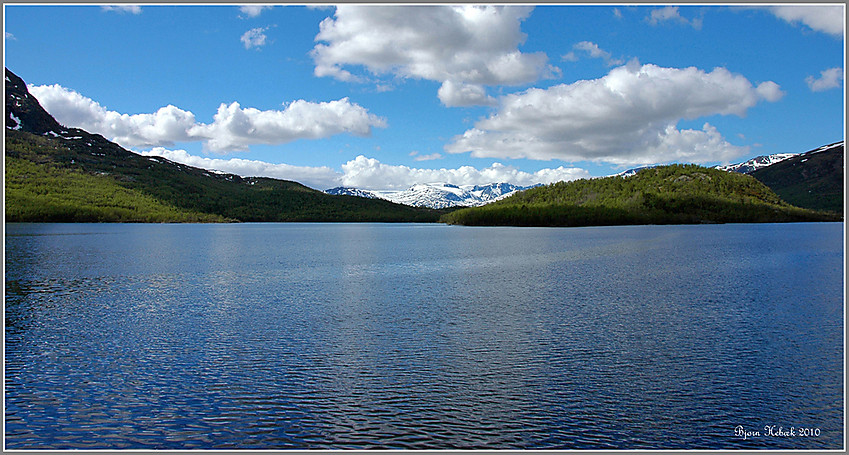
(44, 192)
(92, 179)
(676, 194)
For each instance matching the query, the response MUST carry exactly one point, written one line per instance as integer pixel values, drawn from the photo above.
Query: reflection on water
(274, 336)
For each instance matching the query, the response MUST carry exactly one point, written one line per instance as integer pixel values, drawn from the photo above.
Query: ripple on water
(315, 336)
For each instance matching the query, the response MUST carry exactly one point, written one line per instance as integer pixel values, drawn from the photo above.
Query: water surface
(275, 336)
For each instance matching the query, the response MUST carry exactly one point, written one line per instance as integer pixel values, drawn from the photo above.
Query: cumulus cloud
(253, 10)
(466, 47)
(10, 36)
(769, 91)
(454, 94)
(320, 177)
(627, 117)
(829, 79)
(166, 126)
(233, 128)
(254, 37)
(133, 9)
(822, 18)
(671, 14)
(369, 173)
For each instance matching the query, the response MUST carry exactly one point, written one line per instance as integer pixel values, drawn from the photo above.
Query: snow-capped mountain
(438, 195)
(345, 191)
(760, 162)
(756, 163)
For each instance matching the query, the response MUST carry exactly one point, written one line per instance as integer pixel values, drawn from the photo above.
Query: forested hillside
(675, 194)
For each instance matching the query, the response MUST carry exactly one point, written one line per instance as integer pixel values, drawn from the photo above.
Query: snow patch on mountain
(14, 119)
(763, 161)
(825, 148)
(756, 163)
(346, 191)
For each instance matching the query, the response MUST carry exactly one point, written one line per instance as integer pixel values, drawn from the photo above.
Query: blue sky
(383, 97)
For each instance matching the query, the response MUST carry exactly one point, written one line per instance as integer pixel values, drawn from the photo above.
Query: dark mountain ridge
(34, 138)
(814, 179)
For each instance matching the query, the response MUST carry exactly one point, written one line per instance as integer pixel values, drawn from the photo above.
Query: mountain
(674, 194)
(814, 179)
(438, 195)
(756, 163)
(24, 111)
(345, 191)
(54, 173)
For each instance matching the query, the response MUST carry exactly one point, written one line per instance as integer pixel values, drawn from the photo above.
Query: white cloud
(233, 128)
(595, 52)
(822, 18)
(321, 177)
(829, 79)
(253, 10)
(429, 157)
(134, 9)
(627, 117)
(454, 94)
(769, 91)
(10, 36)
(570, 57)
(164, 127)
(254, 37)
(671, 13)
(371, 174)
(468, 46)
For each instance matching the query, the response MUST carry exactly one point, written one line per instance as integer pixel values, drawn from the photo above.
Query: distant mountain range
(438, 195)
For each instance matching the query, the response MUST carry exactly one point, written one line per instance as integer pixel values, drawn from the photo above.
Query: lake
(358, 336)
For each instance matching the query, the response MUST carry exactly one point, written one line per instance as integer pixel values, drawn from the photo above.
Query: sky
(382, 97)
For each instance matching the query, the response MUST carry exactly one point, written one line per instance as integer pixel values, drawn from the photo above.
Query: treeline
(675, 194)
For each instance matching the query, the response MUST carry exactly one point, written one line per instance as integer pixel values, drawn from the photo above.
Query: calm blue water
(275, 336)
